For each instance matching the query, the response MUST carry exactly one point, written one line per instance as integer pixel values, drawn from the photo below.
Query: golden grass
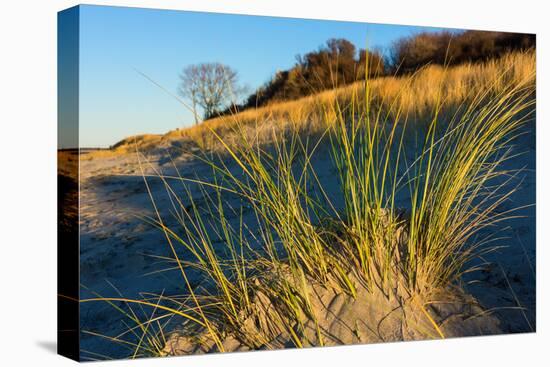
(417, 95)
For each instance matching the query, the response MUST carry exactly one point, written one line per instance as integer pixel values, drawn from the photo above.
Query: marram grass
(259, 283)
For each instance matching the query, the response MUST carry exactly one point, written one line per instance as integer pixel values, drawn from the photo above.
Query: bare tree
(189, 87)
(210, 86)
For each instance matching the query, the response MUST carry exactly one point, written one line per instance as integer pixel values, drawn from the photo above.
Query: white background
(28, 181)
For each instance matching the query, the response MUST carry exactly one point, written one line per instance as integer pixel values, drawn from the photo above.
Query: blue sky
(116, 101)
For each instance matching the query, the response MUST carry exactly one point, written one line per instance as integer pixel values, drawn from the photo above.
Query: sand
(371, 317)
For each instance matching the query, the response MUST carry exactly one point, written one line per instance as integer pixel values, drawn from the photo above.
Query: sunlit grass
(417, 96)
(257, 281)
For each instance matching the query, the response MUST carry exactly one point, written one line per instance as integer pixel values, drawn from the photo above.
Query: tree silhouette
(210, 86)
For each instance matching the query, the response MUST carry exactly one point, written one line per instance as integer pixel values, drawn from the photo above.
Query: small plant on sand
(277, 261)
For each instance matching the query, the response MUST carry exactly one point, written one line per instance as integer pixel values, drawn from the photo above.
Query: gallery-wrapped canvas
(232, 183)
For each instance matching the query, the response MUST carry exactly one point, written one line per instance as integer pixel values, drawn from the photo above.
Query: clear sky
(116, 101)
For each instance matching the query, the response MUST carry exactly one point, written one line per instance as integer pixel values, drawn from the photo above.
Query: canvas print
(233, 183)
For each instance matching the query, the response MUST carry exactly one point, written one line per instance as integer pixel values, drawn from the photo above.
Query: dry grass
(417, 95)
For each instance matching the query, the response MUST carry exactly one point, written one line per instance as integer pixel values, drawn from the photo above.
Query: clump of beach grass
(263, 286)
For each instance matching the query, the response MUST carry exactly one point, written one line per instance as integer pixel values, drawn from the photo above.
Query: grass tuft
(406, 222)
